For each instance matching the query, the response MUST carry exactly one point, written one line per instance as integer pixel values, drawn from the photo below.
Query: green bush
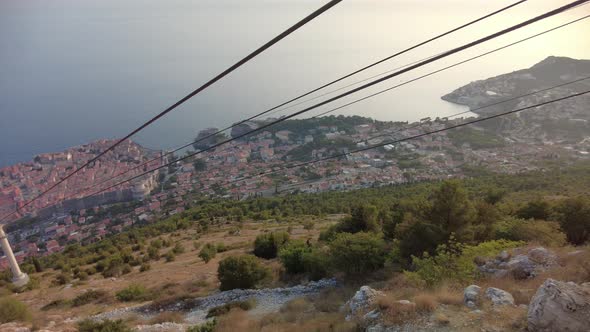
(298, 257)
(455, 261)
(208, 252)
(547, 233)
(241, 272)
(291, 256)
(12, 310)
(89, 325)
(316, 263)
(134, 292)
(268, 245)
(357, 253)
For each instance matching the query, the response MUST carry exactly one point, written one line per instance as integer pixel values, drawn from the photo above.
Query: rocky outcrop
(568, 119)
(520, 266)
(362, 300)
(499, 296)
(560, 306)
(471, 296)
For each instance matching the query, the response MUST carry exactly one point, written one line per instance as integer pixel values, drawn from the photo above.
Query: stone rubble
(520, 266)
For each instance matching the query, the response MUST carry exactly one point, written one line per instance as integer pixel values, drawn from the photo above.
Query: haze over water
(75, 71)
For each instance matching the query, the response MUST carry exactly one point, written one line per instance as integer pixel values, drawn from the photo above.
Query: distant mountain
(567, 120)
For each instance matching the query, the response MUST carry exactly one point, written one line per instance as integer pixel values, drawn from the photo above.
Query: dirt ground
(187, 274)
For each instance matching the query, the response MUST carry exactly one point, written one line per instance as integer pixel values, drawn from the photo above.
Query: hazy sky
(72, 71)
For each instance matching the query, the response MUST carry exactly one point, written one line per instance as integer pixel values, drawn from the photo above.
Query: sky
(75, 71)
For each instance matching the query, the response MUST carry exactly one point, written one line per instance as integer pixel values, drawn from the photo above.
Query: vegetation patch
(241, 272)
(224, 309)
(134, 292)
(12, 310)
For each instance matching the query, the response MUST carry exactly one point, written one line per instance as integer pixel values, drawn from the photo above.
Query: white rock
(471, 296)
(361, 301)
(560, 306)
(499, 296)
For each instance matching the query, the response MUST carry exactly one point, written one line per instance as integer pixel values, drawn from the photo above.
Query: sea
(74, 71)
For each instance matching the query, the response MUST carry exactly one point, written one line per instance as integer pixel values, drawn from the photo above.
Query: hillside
(167, 275)
(567, 121)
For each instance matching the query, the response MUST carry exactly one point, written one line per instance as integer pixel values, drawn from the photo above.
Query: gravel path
(267, 301)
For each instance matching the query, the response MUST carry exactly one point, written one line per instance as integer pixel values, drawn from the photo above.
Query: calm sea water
(74, 71)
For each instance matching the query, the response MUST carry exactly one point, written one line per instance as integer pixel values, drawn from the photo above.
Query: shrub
(357, 253)
(178, 249)
(89, 325)
(134, 292)
(316, 263)
(241, 272)
(62, 279)
(291, 256)
(170, 257)
(207, 327)
(208, 252)
(83, 275)
(268, 245)
(89, 296)
(145, 267)
(12, 310)
(547, 233)
(455, 261)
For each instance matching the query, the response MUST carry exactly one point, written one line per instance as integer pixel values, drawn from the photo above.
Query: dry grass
(425, 303)
(312, 322)
(235, 320)
(330, 300)
(394, 312)
(297, 305)
(164, 317)
(448, 296)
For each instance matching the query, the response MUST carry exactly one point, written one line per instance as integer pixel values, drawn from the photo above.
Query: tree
(357, 253)
(417, 237)
(241, 272)
(537, 209)
(574, 217)
(452, 210)
(362, 219)
(486, 216)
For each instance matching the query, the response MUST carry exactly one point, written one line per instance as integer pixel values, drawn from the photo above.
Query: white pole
(18, 277)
